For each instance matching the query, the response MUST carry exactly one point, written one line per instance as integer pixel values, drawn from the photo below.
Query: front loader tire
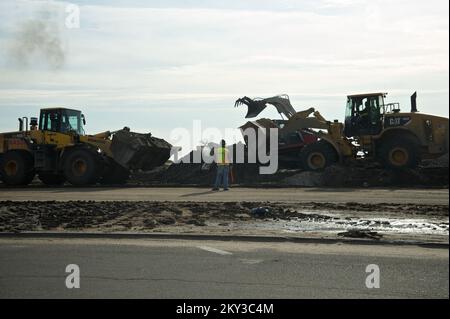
(399, 153)
(81, 167)
(317, 156)
(17, 168)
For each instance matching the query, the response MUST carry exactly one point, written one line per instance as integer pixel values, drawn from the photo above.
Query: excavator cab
(364, 114)
(62, 120)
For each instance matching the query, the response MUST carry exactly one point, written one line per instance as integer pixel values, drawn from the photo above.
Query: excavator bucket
(257, 105)
(139, 151)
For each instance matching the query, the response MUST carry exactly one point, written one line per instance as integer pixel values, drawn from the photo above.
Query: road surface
(286, 195)
(35, 268)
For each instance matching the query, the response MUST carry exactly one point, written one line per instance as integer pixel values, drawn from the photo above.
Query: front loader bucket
(139, 151)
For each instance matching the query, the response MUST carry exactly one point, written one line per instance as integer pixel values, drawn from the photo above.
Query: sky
(159, 65)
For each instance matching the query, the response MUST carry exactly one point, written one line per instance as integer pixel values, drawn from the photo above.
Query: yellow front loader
(372, 129)
(56, 148)
(394, 138)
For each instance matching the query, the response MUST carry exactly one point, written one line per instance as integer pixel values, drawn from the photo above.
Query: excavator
(57, 150)
(372, 129)
(292, 137)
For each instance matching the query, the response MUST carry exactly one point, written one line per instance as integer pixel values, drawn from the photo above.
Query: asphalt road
(337, 195)
(35, 268)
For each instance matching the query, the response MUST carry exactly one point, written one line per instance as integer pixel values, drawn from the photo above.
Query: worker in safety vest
(223, 166)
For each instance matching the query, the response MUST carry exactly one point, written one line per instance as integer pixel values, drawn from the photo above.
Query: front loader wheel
(17, 168)
(402, 152)
(52, 179)
(81, 167)
(317, 156)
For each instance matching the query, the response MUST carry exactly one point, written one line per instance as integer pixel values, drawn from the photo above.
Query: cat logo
(397, 121)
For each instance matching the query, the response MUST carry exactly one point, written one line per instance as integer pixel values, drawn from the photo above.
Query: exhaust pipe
(21, 121)
(20, 124)
(413, 103)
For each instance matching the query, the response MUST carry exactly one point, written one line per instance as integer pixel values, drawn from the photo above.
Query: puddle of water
(418, 226)
(337, 224)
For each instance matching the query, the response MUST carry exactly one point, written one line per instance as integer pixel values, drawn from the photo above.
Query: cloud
(162, 56)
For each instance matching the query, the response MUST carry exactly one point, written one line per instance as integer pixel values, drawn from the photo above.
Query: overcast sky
(156, 65)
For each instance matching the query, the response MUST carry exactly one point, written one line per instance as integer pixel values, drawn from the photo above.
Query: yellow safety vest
(222, 156)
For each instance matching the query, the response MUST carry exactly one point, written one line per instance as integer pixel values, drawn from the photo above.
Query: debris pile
(430, 174)
(186, 172)
(125, 215)
(264, 218)
(241, 174)
(348, 176)
(438, 162)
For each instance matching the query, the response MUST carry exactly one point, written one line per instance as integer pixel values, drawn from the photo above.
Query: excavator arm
(257, 105)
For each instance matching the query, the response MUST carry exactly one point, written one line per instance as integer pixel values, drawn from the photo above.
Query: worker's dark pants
(222, 176)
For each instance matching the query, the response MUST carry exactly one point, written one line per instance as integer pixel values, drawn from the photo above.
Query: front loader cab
(364, 114)
(61, 120)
